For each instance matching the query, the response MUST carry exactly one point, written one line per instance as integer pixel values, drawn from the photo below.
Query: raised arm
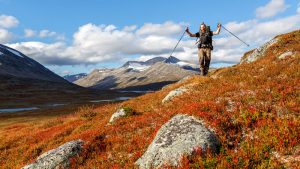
(218, 30)
(188, 32)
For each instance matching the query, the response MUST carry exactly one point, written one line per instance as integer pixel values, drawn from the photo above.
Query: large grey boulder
(181, 135)
(174, 93)
(57, 158)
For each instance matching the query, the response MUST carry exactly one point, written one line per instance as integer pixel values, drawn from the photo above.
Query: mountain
(148, 62)
(14, 63)
(73, 78)
(25, 82)
(136, 75)
(183, 64)
(172, 59)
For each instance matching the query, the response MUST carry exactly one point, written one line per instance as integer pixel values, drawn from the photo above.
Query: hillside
(253, 108)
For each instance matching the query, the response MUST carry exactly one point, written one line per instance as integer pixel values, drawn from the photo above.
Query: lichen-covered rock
(258, 52)
(285, 54)
(57, 158)
(118, 114)
(174, 93)
(181, 135)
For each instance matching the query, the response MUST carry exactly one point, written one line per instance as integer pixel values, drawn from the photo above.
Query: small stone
(118, 114)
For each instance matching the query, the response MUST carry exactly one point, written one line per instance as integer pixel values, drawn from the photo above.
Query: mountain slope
(14, 63)
(134, 75)
(253, 108)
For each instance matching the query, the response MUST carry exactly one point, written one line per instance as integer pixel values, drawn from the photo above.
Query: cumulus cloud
(271, 9)
(165, 29)
(5, 36)
(94, 44)
(46, 33)
(29, 33)
(7, 21)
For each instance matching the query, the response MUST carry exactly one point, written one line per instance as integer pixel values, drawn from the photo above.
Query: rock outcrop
(57, 158)
(181, 135)
(258, 52)
(285, 54)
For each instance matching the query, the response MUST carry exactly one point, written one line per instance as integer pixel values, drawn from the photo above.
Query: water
(59, 104)
(112, 100)
(17, 109)
(28, 108)
(136, 91)
(56, 105)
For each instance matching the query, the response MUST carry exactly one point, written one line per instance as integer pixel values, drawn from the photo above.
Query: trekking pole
(178, 43)
(235, 36)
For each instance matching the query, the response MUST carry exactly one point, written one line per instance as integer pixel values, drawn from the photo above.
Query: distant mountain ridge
(73, 78)
(140, 75)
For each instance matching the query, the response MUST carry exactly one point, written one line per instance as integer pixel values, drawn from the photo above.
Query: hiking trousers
(204, 55)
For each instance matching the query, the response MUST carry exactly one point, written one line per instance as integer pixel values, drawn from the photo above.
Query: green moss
(129, 111)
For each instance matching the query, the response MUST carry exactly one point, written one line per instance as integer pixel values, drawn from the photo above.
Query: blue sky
(79, 36)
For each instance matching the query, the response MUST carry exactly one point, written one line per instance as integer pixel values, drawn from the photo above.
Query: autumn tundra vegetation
(252, 107)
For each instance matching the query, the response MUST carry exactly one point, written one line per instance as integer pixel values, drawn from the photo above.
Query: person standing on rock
(204, 45)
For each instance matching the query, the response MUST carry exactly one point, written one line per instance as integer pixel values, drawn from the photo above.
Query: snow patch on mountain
(137, 66)
(12, 51)
(15, 52)
(182, 63)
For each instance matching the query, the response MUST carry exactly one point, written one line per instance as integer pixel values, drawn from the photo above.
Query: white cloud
(238, 27)
(271, 9)
(143, 58)
(130, 28)
(99, 43)
(298, 9)
(166, 29)
(94, 44)
(8, 21)
(46, 33)
(5, 36)
(29, 33)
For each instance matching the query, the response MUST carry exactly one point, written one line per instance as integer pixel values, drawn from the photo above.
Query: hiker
(204, 45)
